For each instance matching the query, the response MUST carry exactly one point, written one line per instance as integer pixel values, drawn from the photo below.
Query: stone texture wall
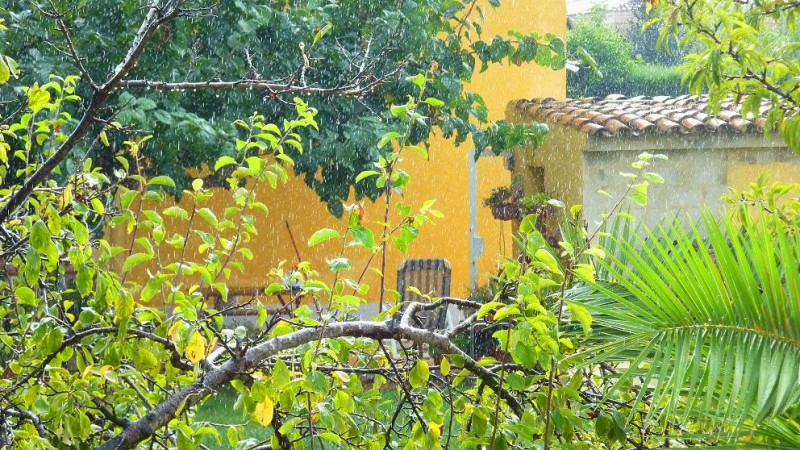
(695, 178)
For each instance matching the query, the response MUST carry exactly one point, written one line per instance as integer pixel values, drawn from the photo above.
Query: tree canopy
(216, 62)
(686, 335)
(618, 60)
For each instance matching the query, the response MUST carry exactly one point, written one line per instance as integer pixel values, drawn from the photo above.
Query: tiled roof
(617, 115)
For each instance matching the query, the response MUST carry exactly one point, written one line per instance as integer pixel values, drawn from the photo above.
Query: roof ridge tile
(616, 114)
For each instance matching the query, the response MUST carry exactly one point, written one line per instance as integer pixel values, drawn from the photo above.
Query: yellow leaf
(341, 376)
(263, 412)
(66, 197)
(103, 371)
(104, 139)
(196, 349)
(174, 330)
(436, 429)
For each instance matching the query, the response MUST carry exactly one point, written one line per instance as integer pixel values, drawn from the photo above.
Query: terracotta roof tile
(666, 125)
(740, 124)
(616, 127)
(592, 128)
(641, 125)
(691, 124)
(728, 115)
(616, 115)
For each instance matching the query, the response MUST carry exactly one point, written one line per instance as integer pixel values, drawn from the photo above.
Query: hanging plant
(502, 203)
(539, 203)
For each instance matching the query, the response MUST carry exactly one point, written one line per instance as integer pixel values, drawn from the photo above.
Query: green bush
(608, 48)
(654, 79)
(617, 71)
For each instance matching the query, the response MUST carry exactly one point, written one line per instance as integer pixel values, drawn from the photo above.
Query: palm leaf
(707, 317)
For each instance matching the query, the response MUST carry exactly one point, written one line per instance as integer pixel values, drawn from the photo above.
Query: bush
(618, 71)
(608, 48)
(654, 79)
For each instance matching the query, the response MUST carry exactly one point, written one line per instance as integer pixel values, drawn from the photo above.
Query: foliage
(654, 80)
(705, 313)
(644, 37)
(118, 364)
(498, 196)
(731, 56)
(611, 67)
(211, 63)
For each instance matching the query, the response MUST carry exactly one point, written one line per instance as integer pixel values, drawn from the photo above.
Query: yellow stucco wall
(444, 177)
(500, 85)
(555, 168)
(741, 174)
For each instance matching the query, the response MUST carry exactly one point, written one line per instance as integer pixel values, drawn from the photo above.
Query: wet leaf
(196, 348)
(263, 412)
(321, 236)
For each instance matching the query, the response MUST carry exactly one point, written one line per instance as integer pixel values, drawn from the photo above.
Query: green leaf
(321, 236)
(123, 309)
(104, 139)
(332, 437)
(223, 161)
(363, 236)
(488, 307)
(317, 382)
(208, 216)
(38, 98)
(653, 178)
(83, 280)
(280, 374)
(435, 102)
(387, 138)
(418, 377)
(366, 174)
(584, 272)
(322, 32)
(419, 150)
(338, 264)
(581, 314)
(162, 180)
(176, 211)
(444, 367)
(98, 206)
(5, 71)
(25, 296)
(40, 237)
(134, 260)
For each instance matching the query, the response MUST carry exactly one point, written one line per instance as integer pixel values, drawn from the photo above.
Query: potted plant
(538, 203)
(502, 203)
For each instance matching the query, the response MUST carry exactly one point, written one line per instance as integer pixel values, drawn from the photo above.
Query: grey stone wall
(695, 178)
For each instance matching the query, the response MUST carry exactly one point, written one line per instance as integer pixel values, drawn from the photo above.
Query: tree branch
(155, 17)
(216, 377)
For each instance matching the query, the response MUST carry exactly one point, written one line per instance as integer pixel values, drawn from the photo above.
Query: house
(467, 237)
(619, 13)
(592, 140)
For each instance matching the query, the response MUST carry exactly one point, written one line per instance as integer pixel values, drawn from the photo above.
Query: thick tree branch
(217, 376)
(354, 88)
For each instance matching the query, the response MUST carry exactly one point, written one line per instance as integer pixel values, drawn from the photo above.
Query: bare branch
(73, 52)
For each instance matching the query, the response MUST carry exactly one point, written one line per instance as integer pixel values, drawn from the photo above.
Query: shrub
(618, 71)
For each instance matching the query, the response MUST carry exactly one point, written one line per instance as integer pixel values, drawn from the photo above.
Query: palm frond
(707, 317)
